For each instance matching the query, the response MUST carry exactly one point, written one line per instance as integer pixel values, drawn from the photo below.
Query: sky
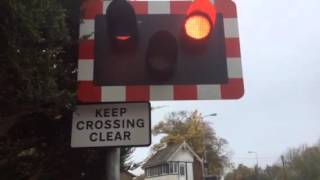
(281, 69)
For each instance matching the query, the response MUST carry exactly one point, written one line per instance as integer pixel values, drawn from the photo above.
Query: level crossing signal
(165, 51)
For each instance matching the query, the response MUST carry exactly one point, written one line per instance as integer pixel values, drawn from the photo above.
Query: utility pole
(257, 166)
(285, 177)
(113, 164)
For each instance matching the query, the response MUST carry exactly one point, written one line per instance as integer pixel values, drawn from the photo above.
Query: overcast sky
(280, 46)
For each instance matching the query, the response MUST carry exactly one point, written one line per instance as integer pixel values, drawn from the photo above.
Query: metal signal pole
(113, 164)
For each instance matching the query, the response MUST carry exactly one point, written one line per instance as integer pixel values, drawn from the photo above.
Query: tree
(303, 163)
(300, 163)
(125, 159)
(274, 172)
(38, 57)
(199, 134)
(241, 173)
(245, 173)
(35, 76)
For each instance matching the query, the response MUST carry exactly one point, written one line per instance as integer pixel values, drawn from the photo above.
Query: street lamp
(210, 115)
(204, 160)
(252, 152)
(257, 167)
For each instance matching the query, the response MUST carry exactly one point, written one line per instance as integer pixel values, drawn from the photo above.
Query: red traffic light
(198, 26)
(201, 17)
(123, 38)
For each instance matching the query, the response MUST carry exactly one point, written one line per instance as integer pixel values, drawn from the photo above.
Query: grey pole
(285, 176)
(113, 164)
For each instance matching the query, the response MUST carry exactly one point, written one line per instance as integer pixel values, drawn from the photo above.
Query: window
(182, 169)
(170, 167)
(153, 171)
(175, 167)
(157, 171)
(163, 169)
(148, 172)
(166, 168)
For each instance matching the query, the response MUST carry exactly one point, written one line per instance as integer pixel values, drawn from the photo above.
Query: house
(175, 162)
(141, 177)
(126, 175)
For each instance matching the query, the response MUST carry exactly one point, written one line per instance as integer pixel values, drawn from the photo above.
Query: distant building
(175, 162)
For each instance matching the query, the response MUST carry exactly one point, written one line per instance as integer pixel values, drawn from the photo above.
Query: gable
(182, 152)
(161, 156)
(182, 155)
(185, 153)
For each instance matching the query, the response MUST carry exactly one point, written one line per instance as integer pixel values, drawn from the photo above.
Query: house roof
(161, 156)
(165, 154)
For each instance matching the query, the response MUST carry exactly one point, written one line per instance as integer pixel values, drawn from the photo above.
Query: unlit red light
(197, 27)
(122, 38)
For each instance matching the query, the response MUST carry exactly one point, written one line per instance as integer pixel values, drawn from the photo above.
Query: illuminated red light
(122, 38)
(197, 26)
(205, 7)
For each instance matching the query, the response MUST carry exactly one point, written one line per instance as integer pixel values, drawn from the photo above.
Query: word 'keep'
(110, 112)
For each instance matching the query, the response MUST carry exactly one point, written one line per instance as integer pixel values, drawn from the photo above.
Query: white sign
(113, 124)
